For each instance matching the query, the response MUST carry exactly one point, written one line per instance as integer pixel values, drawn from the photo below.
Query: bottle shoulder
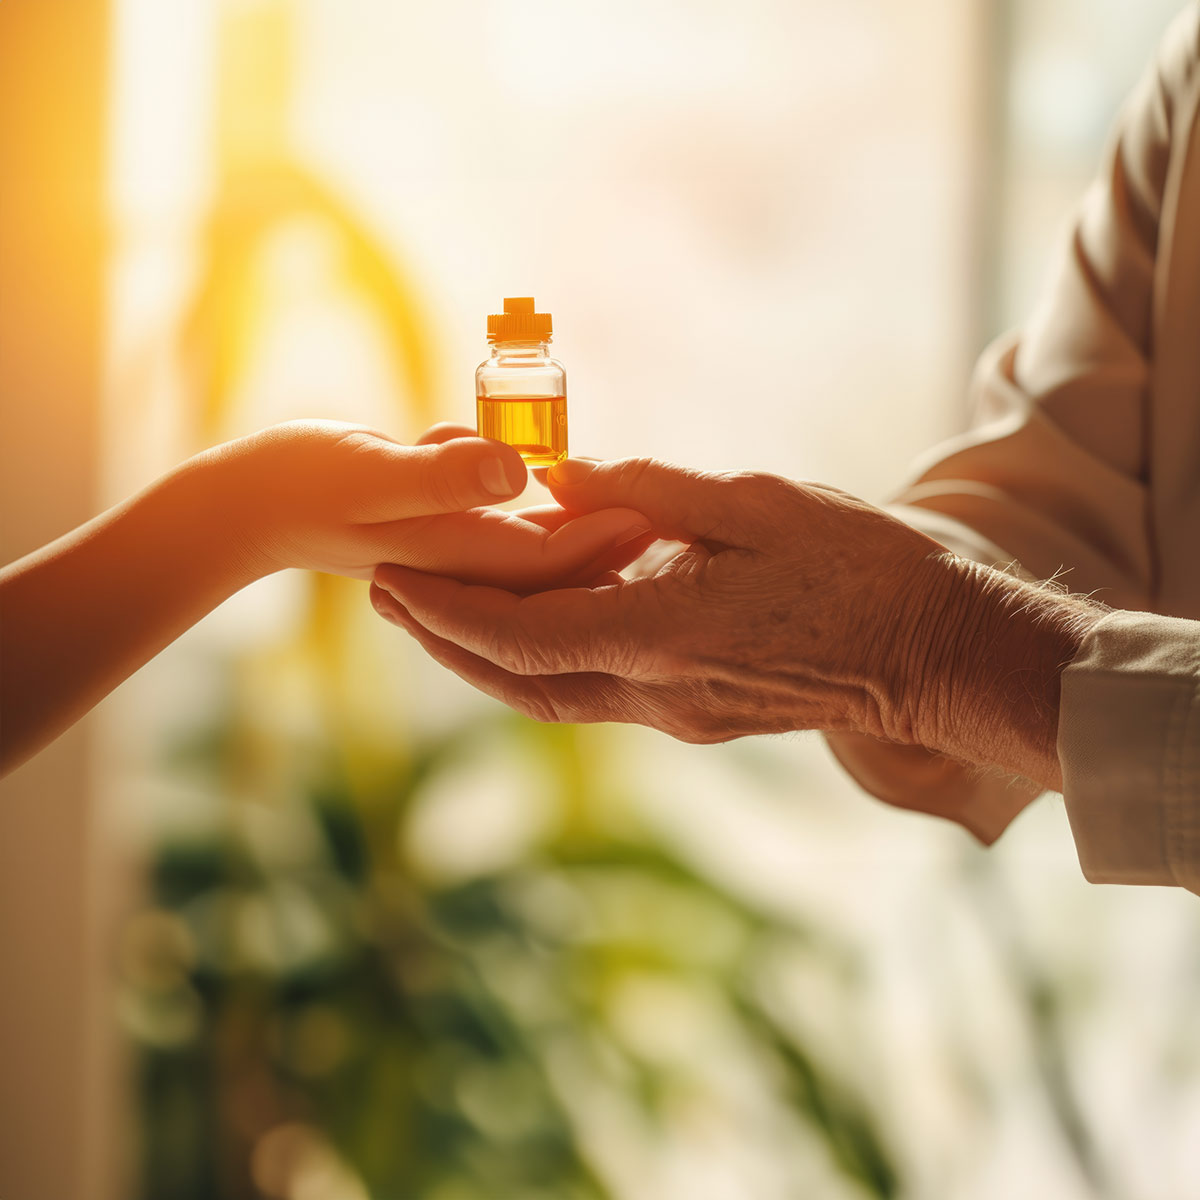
(544, 376)
(517, 364)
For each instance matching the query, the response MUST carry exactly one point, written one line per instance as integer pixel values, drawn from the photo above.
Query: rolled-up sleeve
(1129, 745)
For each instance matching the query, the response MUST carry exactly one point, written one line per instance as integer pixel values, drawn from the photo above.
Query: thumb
(398, 481)
(680, 504)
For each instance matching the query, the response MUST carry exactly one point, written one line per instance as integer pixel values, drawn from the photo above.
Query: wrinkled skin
(790, 607)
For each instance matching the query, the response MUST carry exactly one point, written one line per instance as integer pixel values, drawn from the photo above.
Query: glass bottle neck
(521, 351)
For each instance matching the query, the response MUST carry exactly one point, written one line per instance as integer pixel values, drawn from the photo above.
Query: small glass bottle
(520, 391)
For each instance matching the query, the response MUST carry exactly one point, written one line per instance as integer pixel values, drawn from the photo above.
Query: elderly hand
(792, 607)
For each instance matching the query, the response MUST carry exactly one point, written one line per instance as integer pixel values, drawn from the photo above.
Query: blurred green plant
(314, 1011)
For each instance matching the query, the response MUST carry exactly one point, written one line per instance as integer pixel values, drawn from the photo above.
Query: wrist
(984, 667)
(229, 523)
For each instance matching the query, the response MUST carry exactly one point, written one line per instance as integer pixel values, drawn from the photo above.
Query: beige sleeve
(1054, 472)
(1053, 476)
(1129, 743)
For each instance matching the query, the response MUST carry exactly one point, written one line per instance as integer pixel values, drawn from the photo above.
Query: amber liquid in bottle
(534, 425)
(520, 391)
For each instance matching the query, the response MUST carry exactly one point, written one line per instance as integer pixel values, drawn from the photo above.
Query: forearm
(82, 614)
(989, 652)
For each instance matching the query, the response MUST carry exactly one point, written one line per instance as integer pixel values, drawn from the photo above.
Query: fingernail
(570, 470)
(494, 475)
(634, 531)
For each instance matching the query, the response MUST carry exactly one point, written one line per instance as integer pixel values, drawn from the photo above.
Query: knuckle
(353, 443)
(436, 488)
(538, 707)
(632, 472)
(594, 698)
(351, 449)
(758, 495)
(760, 485)
(443, 431)
(511, 653)
(700, 732)
(635, 468)
(690, 713)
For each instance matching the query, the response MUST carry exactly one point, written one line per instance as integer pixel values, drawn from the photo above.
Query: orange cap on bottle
(518, 322)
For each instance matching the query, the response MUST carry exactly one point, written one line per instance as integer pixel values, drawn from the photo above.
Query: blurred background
(295, 914)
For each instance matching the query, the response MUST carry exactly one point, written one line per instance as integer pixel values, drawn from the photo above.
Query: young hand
(84, 612)
(343, 498)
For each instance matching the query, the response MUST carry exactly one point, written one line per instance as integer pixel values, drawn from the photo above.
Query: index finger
(560, 632)
(680, 503)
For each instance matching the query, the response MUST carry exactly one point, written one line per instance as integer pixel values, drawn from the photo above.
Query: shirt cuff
(1129, 746)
